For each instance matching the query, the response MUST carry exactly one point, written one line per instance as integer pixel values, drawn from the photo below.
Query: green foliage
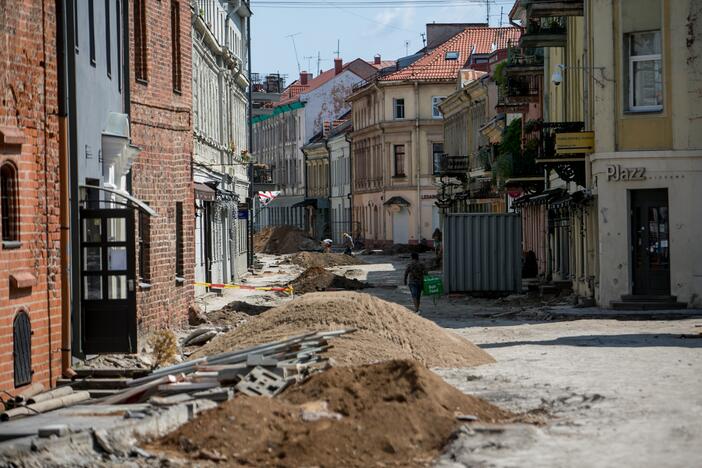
(509, 149)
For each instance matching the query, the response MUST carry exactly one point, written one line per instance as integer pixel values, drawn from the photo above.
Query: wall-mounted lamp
(557, 76)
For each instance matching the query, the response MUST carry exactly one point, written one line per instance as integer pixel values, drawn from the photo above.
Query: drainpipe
(350, 195)
(329, 176)
(418, 170)
(251, 204)
(64, 203)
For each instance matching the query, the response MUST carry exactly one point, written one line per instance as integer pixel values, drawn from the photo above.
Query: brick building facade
(161, 126)
(30, 284)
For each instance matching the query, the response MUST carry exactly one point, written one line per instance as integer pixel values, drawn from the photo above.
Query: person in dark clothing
(438, 238)
(415, 273)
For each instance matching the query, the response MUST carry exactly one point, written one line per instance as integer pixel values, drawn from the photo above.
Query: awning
(204, 192)
(305, 203)
(141, 206)
(399, 201)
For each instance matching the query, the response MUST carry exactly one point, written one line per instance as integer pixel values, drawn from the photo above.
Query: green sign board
(433, 286)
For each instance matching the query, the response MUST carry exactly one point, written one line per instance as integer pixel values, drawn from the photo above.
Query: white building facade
(340, 161)
(220, 151)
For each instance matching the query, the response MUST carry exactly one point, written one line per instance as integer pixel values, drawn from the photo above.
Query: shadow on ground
(635, 340)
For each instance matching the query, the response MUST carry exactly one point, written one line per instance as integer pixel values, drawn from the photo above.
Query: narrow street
(609, 392)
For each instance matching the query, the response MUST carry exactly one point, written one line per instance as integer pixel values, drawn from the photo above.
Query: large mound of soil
(385, 331)
(318, 279)
(324, 260)
(282, 240)
(392, 414)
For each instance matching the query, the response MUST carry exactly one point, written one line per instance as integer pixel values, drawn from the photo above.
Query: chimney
(377, 59)
(304, 78)
(338, 65)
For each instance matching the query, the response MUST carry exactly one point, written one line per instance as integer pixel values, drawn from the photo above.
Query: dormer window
(452, 55)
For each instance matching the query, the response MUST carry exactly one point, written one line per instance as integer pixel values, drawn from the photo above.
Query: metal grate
(22, 350)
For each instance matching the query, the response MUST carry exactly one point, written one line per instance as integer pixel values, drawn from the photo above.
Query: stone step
(648, 298)
(647, 305)
(95, 384)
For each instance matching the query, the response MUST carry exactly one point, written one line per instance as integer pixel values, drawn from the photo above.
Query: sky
(361, 33)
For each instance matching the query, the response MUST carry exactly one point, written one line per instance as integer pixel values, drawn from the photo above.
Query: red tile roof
(434, 65)
(383, 64)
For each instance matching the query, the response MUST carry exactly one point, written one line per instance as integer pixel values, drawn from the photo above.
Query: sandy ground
(614, 393)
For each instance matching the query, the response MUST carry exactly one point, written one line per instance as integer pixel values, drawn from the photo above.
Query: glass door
(651, 242)
(108, 296)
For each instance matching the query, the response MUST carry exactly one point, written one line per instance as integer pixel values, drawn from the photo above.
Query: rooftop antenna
(319, 62)
(297, 58)
(309, 61)
(501, 13)
(338, 48)
(407, 44)
(487, 6)
(424, 39)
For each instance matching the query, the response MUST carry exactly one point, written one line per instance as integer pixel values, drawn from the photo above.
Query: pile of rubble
(323, 260)
(395, 413)
(316, 279)
(279, 240)
(384, 331)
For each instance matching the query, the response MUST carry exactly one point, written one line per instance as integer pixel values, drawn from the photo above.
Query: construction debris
(385, 330)
(395, 413)
(283, 240)
(318, 279)
(47, 405)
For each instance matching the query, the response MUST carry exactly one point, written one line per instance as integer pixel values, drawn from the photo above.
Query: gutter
(417, 153)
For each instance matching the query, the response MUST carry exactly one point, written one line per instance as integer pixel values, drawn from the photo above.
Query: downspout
(251, 204)
(64, 201)
(329, 184)
(418, 170)
(351, 177)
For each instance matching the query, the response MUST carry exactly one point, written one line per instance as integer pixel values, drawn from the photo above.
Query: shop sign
(618, 173)
(243, 211)
(575, 142)
(429, 197)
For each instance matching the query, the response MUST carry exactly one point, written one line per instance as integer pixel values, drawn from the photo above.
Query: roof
(383, 64)
(434, 66)
(293, 91)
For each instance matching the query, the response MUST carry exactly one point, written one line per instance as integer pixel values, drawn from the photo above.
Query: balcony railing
(544, 32)
(547, 8)
(263, 178)
(524, 88)
(519, 58)
(548, 131)
(506, 104)
(452, 166)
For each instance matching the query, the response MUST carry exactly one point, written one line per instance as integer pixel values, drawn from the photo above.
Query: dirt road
(613, 393)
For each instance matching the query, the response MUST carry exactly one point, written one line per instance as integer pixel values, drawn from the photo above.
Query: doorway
(107, 271)
(650, 242)
(400, 226)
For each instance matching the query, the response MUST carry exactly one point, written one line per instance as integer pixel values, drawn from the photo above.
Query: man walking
(415, 273)
(348, 244)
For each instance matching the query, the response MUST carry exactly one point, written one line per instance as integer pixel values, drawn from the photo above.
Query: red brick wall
(28, 104)
(161, 126)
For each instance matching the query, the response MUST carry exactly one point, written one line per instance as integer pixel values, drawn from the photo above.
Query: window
(22, 349)
(175, 45)
(108, 40)
(437, 149)
(399, 156)
(8, 202)
(91, 31)
(645, 74)
(398, 108)
(452, 55)
(144, 248)
(435, 111)
(180, 265)
(140, 57)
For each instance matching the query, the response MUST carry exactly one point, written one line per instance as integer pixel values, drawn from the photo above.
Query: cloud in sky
(393, 19)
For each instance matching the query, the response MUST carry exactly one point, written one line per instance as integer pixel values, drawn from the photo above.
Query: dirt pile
(392, 414)
(385, 331)
(318, 279)
(324, 260)
(282, 240)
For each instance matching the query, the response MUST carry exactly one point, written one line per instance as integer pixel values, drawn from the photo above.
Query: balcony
(545, 32)
(451, 166)
(524, 59)
(570, 167)
(550, 8)
(263, 178)
(507, 105)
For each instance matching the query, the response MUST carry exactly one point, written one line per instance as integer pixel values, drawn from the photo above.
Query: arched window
(22, 349)
(8, 202)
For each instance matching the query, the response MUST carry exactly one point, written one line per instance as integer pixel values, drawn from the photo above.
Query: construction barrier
(286, 290)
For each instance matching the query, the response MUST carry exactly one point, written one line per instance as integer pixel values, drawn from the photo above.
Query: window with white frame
(435, 102)
(644, 72)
